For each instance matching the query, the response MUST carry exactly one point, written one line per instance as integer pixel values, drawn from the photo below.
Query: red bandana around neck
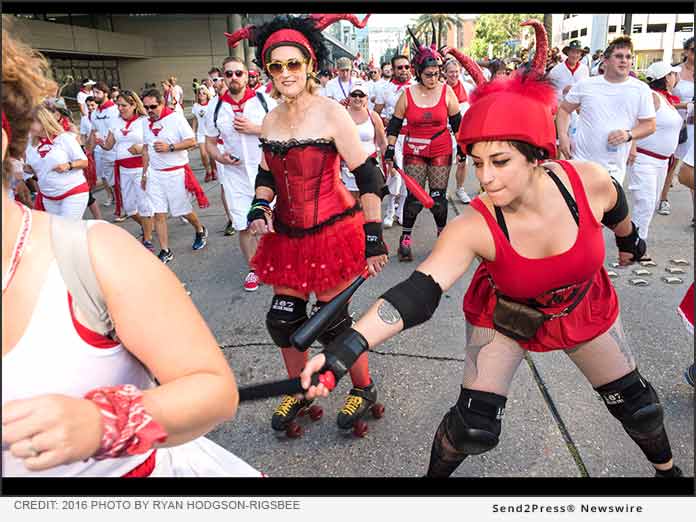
(238, 106)
(460, 92)
(106, 105)
(572, 69)
(45, 146)
(671, 98)
(128, 123)
(166, 111)
(398, 83)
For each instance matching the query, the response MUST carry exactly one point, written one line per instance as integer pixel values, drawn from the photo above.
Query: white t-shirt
(562, 76)
(81, 97)
(85, 126)
(102, 119)
(128, 134)
(199, 111)
(389, 95)
(605, 107)
(43, 158)
(173, 128)
(178, 94)
(337, 89)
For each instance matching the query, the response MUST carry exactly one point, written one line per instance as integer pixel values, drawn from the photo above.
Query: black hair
(660, 84)
(90, 99)
(381, 66)
(530, 152)
(303, 24)
(398, 57)
(688, 42)
(214, 70)
(102, 86)
(325, 72)
(152, 93)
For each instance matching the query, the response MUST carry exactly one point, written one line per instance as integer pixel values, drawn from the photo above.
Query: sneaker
(665, 208)
(149, 246)
(166, 256)
(690, 375)
(108, 202)
(463, 196)
(200, 240)
(229, 229)
(120, 219)
(184, 220)
(251, 282)
(404, 251)
(388, 222)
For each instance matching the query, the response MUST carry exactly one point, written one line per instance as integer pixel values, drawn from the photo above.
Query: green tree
(496, 29)
(443, 23)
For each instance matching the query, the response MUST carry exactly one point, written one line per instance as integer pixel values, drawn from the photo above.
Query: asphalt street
(555, 425)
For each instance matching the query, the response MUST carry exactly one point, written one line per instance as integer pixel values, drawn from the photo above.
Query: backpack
(260, 96)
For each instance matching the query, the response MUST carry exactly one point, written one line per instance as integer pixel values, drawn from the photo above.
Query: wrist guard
(619, 211)
(127, 428)
(394, 126)
(264, 178)
(632, 244)
(461, 155)
(369, 178)
(260, 209)
(389, 153)
(455, 120)
(374, 244)
(343, 351)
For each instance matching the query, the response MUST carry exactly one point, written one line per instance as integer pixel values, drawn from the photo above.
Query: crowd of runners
(314, 159)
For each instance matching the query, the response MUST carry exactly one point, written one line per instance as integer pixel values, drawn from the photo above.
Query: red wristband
(128, 428)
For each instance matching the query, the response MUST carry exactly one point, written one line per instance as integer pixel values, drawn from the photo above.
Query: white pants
(72, 207)
(167, 192)
(396, 186)
(239, 193)
(135, 199)
(104, 167)
(645, 180)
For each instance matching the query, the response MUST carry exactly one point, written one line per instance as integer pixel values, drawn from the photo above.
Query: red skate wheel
(302, 412)
(377, 410)
(294, 430)
(316, 412)
(360, 428)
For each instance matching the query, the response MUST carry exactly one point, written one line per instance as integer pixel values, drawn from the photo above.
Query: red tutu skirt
(315, 262)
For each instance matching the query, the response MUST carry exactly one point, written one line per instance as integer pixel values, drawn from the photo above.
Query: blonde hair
(48, 121)
(133, 99)
(26, 80)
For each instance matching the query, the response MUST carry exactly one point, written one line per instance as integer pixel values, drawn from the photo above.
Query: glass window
(657, 28)
(612, 28)
(684, 27)
(583, 31)
(638, 28)
(574, 34)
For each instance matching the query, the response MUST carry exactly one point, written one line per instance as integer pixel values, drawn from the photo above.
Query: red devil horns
(322, 21)
(542, 45)
(469, 65)
(245, 33)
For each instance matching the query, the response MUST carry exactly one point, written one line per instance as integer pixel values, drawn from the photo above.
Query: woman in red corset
(318, 238)
(541, 285)
(428, 107)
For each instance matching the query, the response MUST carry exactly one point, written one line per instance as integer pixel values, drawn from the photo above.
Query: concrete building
(135, 50)
(655, 36)
(382, 39)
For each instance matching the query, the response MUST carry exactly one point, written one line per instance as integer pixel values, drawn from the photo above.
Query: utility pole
(628, 24)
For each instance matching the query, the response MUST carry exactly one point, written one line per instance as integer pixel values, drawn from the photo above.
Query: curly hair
(620, 42)
(25, 82)
(304, 25)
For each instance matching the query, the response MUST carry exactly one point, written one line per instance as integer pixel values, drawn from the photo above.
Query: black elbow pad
(264, 178)
(454, 121)
(619, 212)
(416, 298)
(394, 126)
(369, 178)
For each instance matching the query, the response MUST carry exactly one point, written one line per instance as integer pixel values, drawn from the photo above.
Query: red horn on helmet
(542, 45)
(470, 66)
(245, 33)
(322, 21)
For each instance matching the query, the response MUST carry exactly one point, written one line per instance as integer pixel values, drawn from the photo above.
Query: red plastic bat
(414, 188)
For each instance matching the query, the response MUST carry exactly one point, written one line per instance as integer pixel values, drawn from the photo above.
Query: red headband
(6, 127)
(287, 37)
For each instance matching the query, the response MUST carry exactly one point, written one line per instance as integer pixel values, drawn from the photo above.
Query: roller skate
(284, 416)
(359, 402)
(404, 251)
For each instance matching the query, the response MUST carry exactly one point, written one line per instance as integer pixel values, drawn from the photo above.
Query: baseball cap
(358, 85)
(659, 70)
(344, 63)
(253, 73)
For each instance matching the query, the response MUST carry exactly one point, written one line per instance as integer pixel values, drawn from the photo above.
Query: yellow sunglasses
(276, 67)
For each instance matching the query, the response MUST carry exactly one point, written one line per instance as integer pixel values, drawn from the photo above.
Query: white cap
(87, 83)
(359, 85)
(659, 70)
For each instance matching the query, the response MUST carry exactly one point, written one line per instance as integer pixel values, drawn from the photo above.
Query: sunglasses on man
(151, 107)
(403, 67)
(238, 73)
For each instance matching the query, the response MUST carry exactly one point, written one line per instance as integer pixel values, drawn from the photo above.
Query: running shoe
(200, 240)
(388, 221)
(690, 375)
(665, 208)
(251, 282)
(229, 229)
(109, 202)
(120, 219)
(463, 196)
(149, 246)
(184, 220)
(166, 256)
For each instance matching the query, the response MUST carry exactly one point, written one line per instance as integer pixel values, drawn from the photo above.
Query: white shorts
(72, 207)
(683, 149)
(104, 168)
(239, 193)
(167, 192)
(135, 199)
(200, 139)
(200, 457)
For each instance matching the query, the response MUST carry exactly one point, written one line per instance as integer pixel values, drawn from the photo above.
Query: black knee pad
(340, 324)
(412, 208)
(90, 199)
(473, 424)
(286, 315)
(439, 209)
(634, 402)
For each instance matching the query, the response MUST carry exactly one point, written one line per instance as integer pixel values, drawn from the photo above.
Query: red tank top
(522, 278)
(427, 135)
(309, 190)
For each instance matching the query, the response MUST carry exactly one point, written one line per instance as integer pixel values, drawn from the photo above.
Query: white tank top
(685, 90)
(51, 357)
(366, 130)
(665, 139)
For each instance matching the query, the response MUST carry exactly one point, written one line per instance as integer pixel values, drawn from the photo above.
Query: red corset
(309, 190)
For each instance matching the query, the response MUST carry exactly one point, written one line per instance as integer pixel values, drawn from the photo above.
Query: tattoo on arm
(387, 313)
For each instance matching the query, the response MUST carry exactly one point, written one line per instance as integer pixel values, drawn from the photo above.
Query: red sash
(79, 189)
(651, 153)
(191, 184)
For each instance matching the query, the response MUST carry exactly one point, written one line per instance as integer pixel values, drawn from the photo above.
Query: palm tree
(442, 23)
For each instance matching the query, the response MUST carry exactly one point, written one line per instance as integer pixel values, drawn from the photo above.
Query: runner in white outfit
(102, 119)
(199, 110)
(82, 95)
